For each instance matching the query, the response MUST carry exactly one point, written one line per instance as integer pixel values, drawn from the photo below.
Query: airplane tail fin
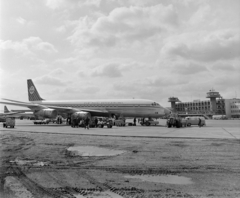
(33, 94)
(6, 109)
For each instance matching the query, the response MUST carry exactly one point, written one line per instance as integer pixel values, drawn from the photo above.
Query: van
(194, 121)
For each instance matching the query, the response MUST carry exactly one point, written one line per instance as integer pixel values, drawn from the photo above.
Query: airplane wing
(59, 109)
(7, 114)
(73, 110)
(24, 104)
(14, 100)
(21, 111)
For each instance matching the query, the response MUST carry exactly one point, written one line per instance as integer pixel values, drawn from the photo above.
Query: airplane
(139, 108)
(6, 114)
(18, 113)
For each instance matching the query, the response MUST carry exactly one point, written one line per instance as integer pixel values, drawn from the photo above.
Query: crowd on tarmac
(86, 123)
(95, 122)
(76, 122)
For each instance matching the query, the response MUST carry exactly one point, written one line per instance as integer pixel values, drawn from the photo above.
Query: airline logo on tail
(33, 94)
(31, 90)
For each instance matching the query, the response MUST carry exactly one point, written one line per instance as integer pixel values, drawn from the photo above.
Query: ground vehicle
(175, 122)
(219, 117)
(102, 121)
(9, 122)
(194, 121)
(120, 122)
(46, 121)
(149, 122)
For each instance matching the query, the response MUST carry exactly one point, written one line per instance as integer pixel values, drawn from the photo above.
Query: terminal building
(208, 108)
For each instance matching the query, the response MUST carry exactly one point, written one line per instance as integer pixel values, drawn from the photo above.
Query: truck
(9, 122)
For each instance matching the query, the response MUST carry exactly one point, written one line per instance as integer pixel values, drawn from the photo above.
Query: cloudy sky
(97, 49)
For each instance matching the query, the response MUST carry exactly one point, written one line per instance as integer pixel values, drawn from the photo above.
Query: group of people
(84, 123)
(76, 122)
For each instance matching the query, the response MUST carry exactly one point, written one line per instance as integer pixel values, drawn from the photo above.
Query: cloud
(49, 80)
(21, 20)
(110, 70)
(69, 4)
(165, 81)
(81, 74)
(201, 15)
(124, 25)
(90, 90)
(28, 46)
(66, 61)
(58, 72)
(226, 67)
(54, 4)
(219, 45)
(47, 47)
(190, 68)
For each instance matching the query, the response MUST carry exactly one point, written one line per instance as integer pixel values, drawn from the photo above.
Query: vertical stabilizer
(6, 109)
(33, 94)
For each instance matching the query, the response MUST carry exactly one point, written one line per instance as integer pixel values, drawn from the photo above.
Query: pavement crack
(229, 133)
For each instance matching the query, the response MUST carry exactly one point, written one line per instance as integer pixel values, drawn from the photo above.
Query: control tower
(173, 101)
(212, 94)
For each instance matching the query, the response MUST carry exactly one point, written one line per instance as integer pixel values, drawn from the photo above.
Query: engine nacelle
(46, 113)
(81, 115)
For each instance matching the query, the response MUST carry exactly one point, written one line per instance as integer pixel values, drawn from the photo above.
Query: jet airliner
(140, 108)
(17, 113)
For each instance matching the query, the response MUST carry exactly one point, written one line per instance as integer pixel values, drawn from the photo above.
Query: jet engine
(46, 113)
(81, 115)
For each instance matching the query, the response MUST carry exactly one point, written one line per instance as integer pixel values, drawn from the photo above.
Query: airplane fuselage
(119, 107)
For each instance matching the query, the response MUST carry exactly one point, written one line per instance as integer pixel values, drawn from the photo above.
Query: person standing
(87, 123)
(199, 122)
(134, 121)
(96, 122)
(81, 123)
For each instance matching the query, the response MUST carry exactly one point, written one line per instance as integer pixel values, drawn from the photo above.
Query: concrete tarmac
(134, 161)
(214, 129)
